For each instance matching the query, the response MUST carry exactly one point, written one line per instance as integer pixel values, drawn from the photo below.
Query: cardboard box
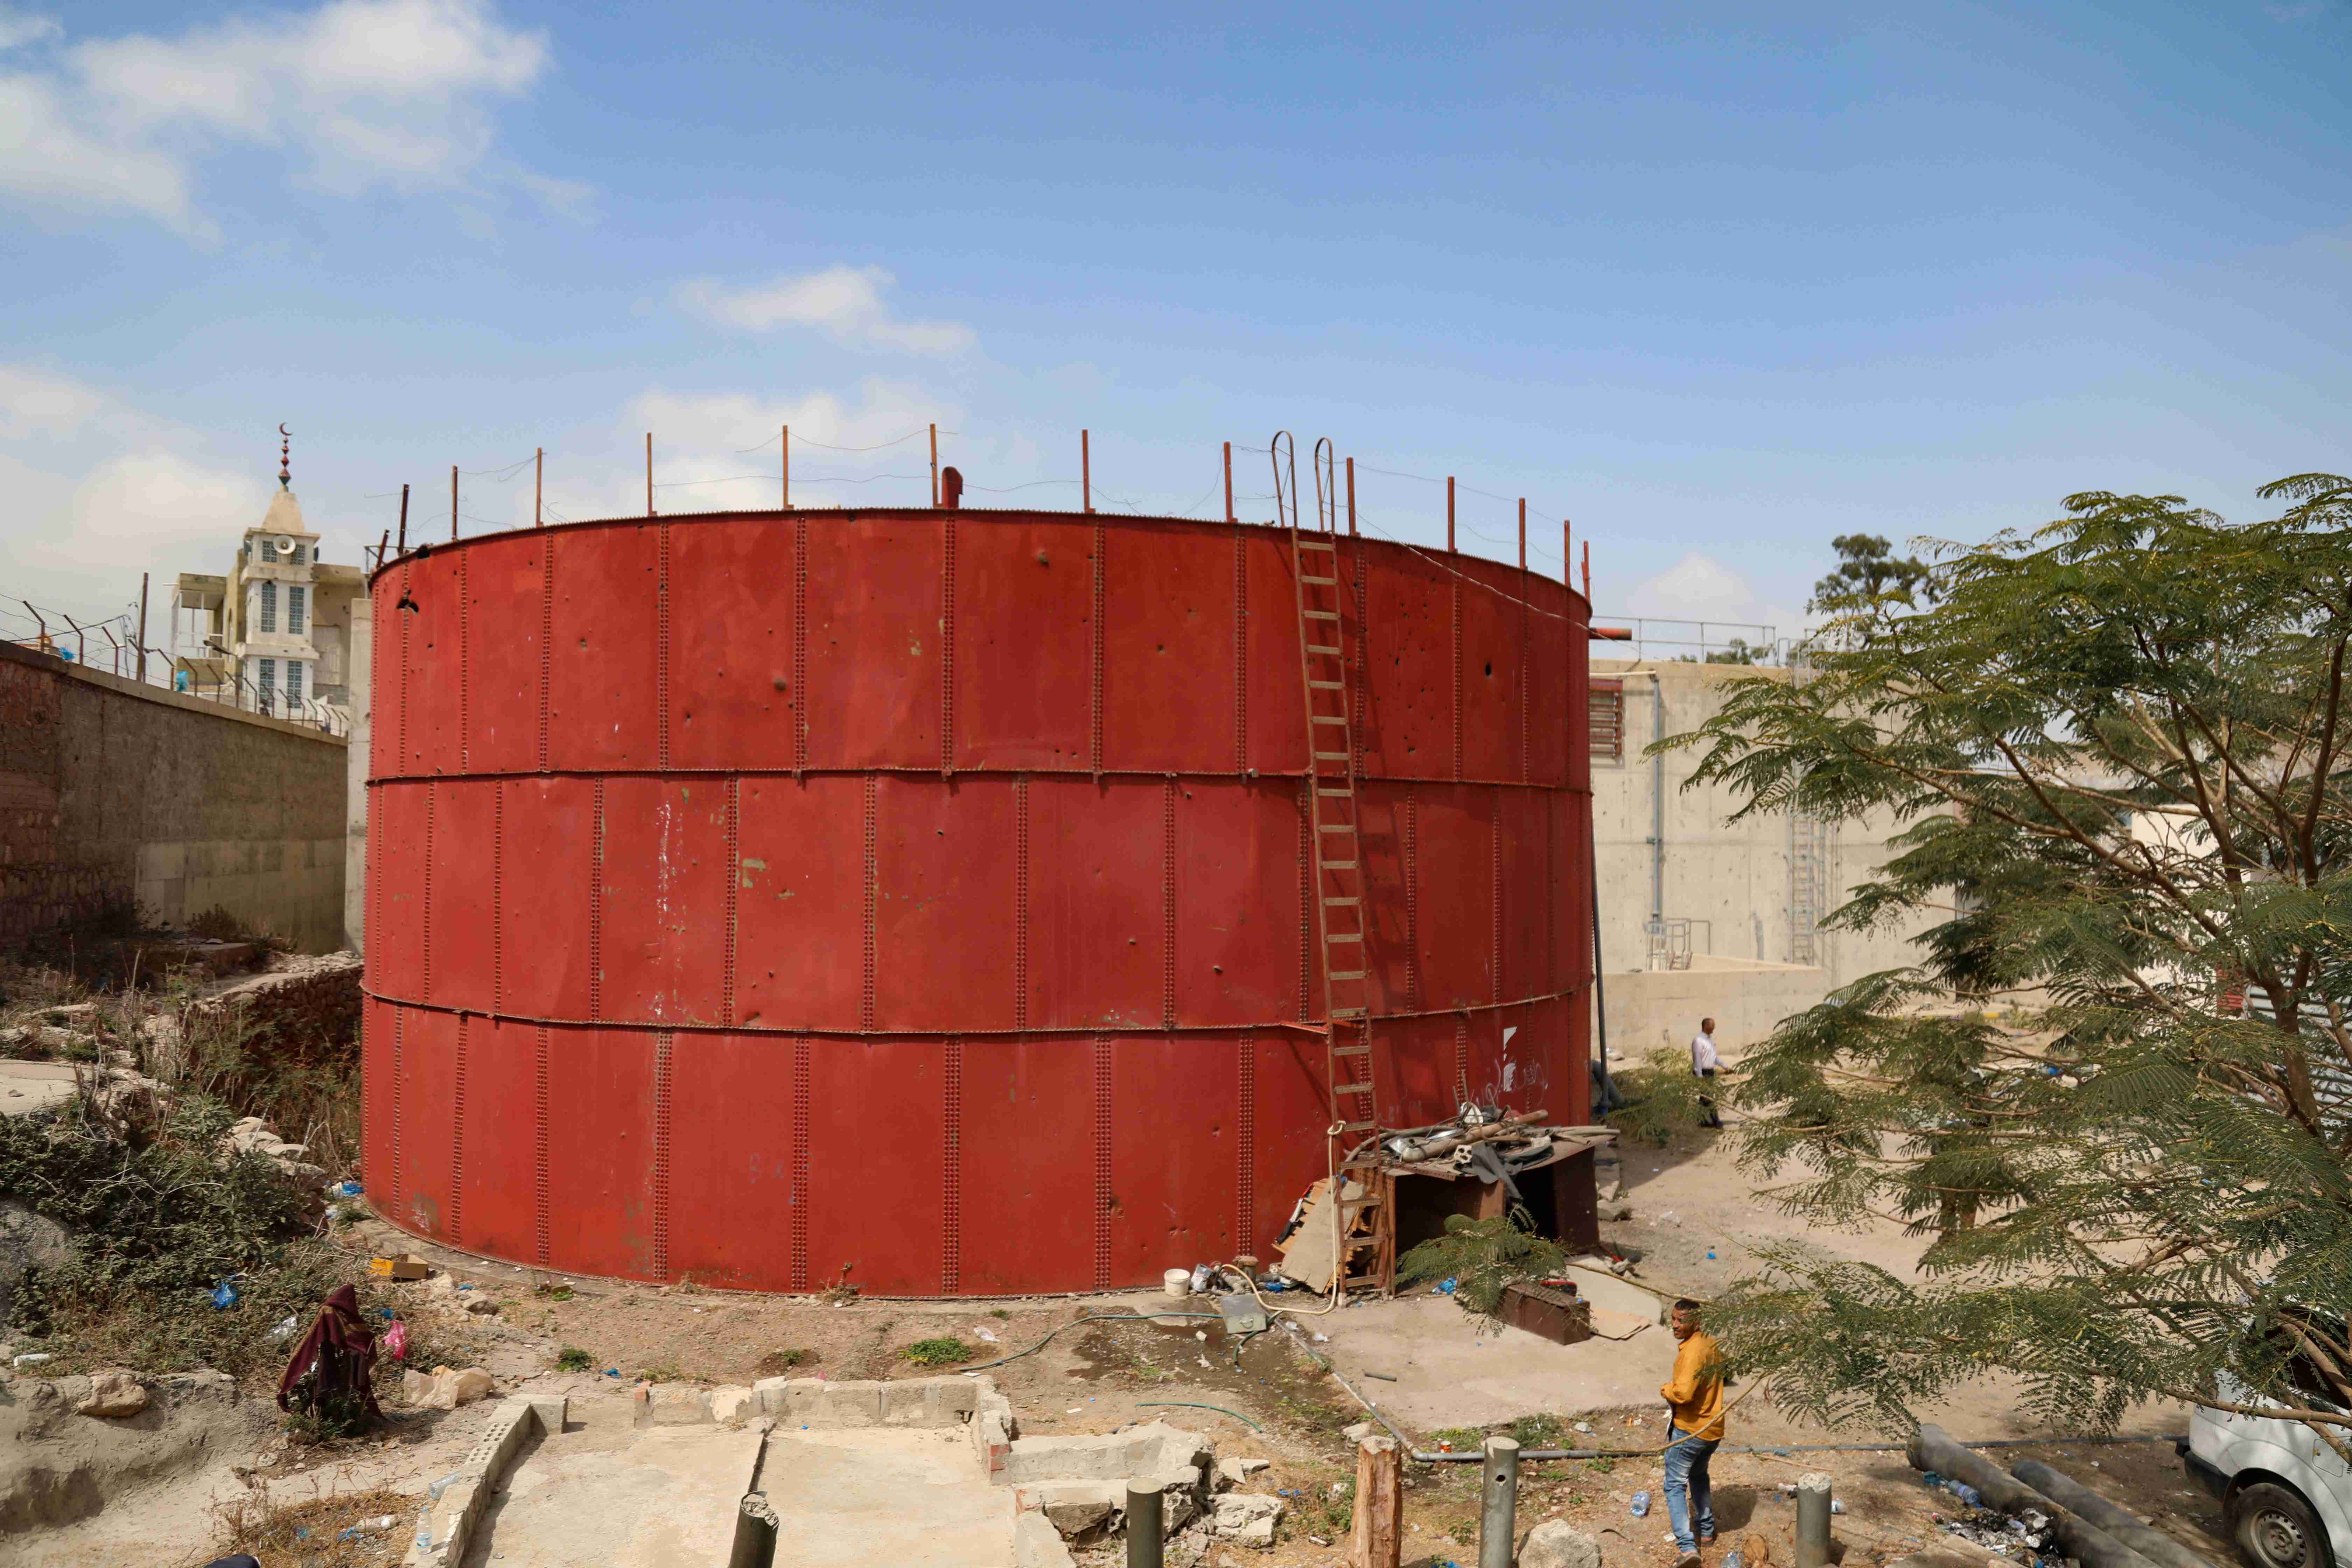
(408, 1266)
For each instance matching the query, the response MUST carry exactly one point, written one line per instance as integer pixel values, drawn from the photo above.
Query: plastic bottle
(1642, 1505)
(1968, 1494)
(1732, 1559)
(1200, 1278)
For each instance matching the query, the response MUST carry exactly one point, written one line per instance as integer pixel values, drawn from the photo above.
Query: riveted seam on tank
(465, 672)
(873, 893)
(1496, 857)
(664, 1066)
(1021, 901)
(546, 644)
(800, 646)
(1241, 650)
(661, 645)
(734, 882)
(1456, 618)
(952, 1166)
(1095, 672)
(432, 794)
(399, 1078)
(947, 645)
(1413, 897)
(800, 1272)
(1104, 1198)
(541, 1205)
(1245, 1145)
(457, 1138)
(597, 907)
(497, 896)
(1168, 904)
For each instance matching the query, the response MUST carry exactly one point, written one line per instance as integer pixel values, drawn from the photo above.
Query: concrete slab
(667, 1499)
(909, 1498)
(27, 1087)
(1449, 1373)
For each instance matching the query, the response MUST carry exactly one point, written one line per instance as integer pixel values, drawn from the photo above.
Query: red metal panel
(497, 1183)
(505, 578)
(376, 1020)
(800, 903)
(876, 1165)
(1547, 686)
(1277, 710)
(1386, 948)
(1095, 912)
(731, 632)
(600, 1150)
(428, 1079)
(1236, 902)
(1029, 1104)
(397, 927)
(1490, 671)
(1413, 1062)
(606, 649)
(1172, 1153)
(429, 638)
(665, 900)
(543, 916)
(459, 913)
(1527, 848)
(1409, 695)
(873, 642)
(732, 1138)
(1024, 641)
(1293, 1108)
(1457, 895)
(943, 903)
(383, 680)
(1168, 648)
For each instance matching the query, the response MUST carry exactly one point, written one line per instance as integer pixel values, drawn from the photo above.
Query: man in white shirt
(1703, 1064)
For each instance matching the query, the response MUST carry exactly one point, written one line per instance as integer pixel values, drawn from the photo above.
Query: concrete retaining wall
(112, 792)
(1662, 1007)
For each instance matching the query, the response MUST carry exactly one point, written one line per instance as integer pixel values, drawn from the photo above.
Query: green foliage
(1869, 572)
(572, 1358)
(938, 1353)
(1481, 1256)
(2120, 744)
(1661, 1098)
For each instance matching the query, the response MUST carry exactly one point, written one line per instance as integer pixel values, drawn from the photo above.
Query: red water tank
(920, 898)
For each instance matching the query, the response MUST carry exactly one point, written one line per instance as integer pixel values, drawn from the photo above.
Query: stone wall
(112, 792)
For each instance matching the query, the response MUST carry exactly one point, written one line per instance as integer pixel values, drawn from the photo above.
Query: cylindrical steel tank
(919, 898)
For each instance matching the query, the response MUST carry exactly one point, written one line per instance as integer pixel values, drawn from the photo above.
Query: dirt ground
(1072, 1372)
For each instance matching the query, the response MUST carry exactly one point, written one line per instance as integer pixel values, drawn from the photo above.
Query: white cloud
(844, 300)
(37, 403)
(358, 92)
(1697, 587)
(18, 28)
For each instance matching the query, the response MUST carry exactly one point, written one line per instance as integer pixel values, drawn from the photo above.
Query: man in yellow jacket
(1694, 1397)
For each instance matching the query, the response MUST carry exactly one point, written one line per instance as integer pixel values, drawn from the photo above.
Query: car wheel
(2273, 1527)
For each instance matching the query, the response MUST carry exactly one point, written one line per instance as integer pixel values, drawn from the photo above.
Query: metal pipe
(1498, 1517)
(143, 628)
(1145, 1512)
(1657, 801)
(404, 522)
(1351, 495)
(1449, 514)
(453, 503)
(1523, 533)
(1086, 471)
(539, 488)
(935, 465)
(785, 442)
(1812, 1520)
(649, 473)
(1229, 481)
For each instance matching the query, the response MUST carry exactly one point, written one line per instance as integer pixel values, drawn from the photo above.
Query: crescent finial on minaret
(285, 457)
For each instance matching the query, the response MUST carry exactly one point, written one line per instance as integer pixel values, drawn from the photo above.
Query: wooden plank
(1378, 1539)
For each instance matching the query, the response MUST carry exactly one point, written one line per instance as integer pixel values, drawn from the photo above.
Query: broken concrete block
(732, 1406)
(671, 1404)
(445, 1388)
(1037, 1545)
(1082, 1522)
(1233, 1470)
(1247, 1517)
(552, 1411)
(113, 1394)
(1556, 1543)
(1153, 1449)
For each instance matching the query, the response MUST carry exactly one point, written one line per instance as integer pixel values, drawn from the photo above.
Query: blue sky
(1717, 289)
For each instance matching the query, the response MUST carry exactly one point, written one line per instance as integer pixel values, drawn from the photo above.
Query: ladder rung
(1356, 1127)
(1352, 1050)
(1327, 582)
(1318, 648)
(1348, 1011)
(1317, 544)
(1347, 974)
(1338, 864)
(1341, 791)
(1322, 615)
(1327, 686)
(1363, 1087)
(1335, 827)
(1343, 900)
(1331, 756)
(1363, 1203)
(1327, 719)
(1344, 936)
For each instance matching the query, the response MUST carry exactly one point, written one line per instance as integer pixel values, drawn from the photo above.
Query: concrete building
(1700, 916)
(272, 635)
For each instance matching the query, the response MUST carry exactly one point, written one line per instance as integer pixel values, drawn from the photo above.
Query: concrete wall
(360, 702)
(110, 791)
(1732, 881)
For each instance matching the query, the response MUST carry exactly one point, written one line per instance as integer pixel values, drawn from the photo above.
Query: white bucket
(1177, 1282)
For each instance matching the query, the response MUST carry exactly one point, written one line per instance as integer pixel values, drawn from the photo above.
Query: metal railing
(117, 650)
(1735, 642)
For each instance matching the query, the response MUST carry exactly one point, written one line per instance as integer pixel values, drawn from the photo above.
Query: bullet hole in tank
(780, 683)
(1490, 667)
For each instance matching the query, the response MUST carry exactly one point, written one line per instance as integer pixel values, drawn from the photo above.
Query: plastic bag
(395, 1340)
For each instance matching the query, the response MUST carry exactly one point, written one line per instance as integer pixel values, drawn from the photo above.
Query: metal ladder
(1366, 1220)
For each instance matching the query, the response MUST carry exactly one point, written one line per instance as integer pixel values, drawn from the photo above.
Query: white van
(2287, 1496)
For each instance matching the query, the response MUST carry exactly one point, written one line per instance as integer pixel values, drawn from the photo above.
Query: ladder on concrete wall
(1367, 1240)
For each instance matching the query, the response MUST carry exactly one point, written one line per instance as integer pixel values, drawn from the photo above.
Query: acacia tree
(2119, 745)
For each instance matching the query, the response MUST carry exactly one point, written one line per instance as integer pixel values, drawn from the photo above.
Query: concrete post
(1145, 1524)
(1812, 1520)
(1498, 1522)
(1379, 1504)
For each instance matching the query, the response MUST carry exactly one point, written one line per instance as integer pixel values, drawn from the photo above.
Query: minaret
(285, 456)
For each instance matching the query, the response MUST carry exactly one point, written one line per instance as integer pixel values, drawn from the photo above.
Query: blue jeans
(1690, 1500)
